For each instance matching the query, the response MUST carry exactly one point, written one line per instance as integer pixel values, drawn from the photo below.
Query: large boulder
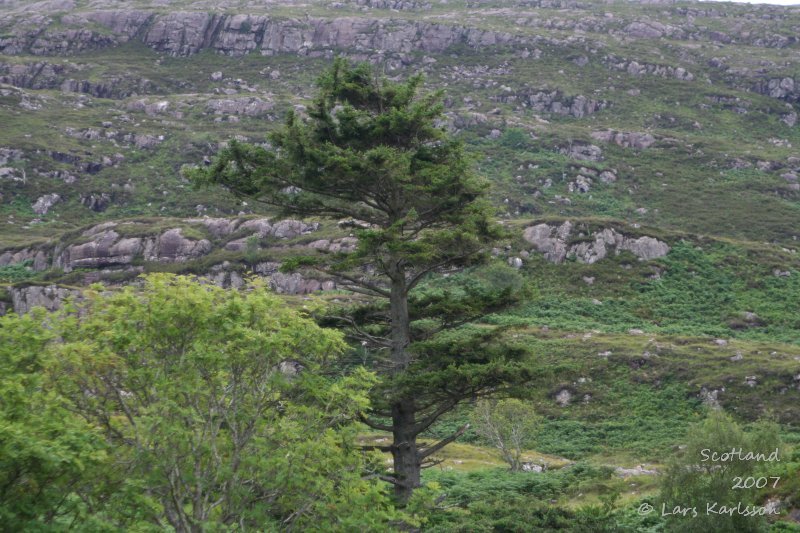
(172, 247)
(104, 249)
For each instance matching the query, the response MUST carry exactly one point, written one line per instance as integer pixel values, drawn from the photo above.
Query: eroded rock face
(555, 102)
(37, 257)
(185, 33)
(50, 297)
(553, 242)
(105, 249)
(172, 247)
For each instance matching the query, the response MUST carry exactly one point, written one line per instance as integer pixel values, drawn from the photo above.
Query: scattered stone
(638, 470)
(608, 176)
(563, 397)
(635, 140)
(96, 202)
(515, 262)
(710, 398)
(533, 467)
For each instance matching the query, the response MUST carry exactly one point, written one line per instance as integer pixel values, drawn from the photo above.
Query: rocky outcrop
(283, 283)
(38, 259)
(554, 102)
(225, 274)
(251, 107)
(634, 68)
(637, 140)
(8, 155)
(105, 248)
(396, 5)
(557, 243)
(39, 75)
(583, 151)
(782, 88)
(186, 33)
(66, 77)
(650, 29)
(50, 297)
(172, 247)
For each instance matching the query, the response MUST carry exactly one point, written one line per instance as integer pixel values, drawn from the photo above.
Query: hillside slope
(644, 155)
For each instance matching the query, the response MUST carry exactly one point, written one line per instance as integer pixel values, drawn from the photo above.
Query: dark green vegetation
(625, 353)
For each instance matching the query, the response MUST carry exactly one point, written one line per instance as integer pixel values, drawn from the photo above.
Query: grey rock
(50, 297)
(638, 470)
(553, 101)
(344, 245)
(515, 262)
(96, 202)
(44, 203)
(171, 246)
(288, 229)
(608, 177)
(635, 68)
(104, 249)
(38, 258)
(636, 140)
(248, 106)
(584, 152)
(710, 398)
(8, 155)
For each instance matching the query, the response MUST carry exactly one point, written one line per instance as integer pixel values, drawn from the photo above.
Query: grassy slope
(729, 229)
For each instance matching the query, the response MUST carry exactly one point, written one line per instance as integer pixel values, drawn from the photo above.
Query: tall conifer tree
(374, 151)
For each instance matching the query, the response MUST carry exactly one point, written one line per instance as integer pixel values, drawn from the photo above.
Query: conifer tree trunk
(404, 450)
(404, 437)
